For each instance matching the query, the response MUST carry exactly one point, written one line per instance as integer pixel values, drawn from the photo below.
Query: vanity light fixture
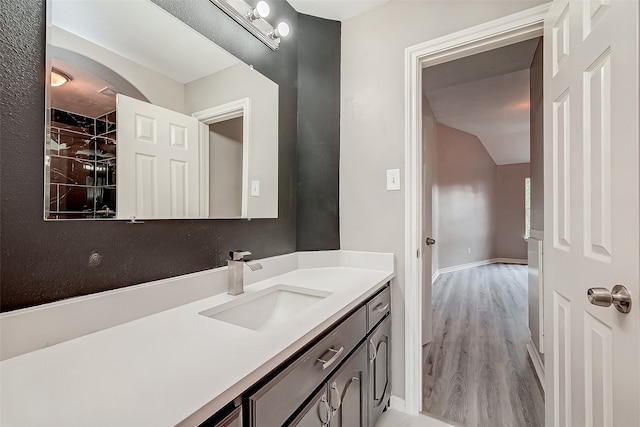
(58, 78)
(252, 19)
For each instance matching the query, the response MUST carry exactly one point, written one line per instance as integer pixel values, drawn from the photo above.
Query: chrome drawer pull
(380, 308)
(374, 351)
(327, 363)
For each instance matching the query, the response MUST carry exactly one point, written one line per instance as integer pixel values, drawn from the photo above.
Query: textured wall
(318, 133)
(47, 261)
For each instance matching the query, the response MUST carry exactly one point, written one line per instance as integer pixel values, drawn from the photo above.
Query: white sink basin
(264, 309)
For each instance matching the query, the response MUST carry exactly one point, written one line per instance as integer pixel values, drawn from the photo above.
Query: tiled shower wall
(81, 166)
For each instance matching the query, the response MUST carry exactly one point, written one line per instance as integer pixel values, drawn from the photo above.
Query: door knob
(430, 241)
(619, 297)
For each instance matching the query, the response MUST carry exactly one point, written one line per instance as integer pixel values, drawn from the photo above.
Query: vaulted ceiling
(486, 95)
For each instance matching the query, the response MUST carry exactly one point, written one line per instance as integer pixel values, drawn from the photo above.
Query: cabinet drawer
(378, 307)
(274, 403)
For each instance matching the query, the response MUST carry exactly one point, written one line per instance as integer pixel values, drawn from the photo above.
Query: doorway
(509, 30)
(476, 118)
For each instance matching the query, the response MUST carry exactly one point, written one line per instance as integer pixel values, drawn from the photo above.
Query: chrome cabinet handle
(324, 412)
(374, 351)
(335, 398)
(619, 297)
(380, 308)
(327, 363)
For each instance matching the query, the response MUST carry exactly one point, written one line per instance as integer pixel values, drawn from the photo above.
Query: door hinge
(417, 253)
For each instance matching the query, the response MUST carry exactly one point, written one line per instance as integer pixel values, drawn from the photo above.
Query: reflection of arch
(115, 80)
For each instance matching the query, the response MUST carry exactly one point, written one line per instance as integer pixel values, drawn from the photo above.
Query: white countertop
(172, 367)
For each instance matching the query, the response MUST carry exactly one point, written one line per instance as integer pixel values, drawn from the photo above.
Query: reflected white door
(591, 212)
(157, 161)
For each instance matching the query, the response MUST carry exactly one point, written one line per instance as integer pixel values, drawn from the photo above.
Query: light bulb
(58, 78)
(260, 11)
(282, 30)
(263, 8)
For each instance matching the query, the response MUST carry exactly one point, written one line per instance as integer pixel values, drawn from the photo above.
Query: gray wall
(466, 181)
(47, 261)
(510, 211)
(318, 133)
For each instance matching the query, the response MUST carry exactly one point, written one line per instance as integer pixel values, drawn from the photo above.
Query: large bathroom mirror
(149, 119)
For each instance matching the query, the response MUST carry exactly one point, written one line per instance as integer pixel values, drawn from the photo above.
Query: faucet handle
(238, 255)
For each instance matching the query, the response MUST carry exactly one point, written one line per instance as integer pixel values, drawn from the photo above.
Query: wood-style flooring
(476, 370)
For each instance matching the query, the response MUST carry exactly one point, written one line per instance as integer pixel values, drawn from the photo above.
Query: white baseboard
(463, 266)
(397, 403)
(509, 261)
(538, 365)
(435, 276)
(459, 267)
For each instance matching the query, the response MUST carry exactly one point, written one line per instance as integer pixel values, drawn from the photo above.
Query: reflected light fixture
(58, 78)
(252, 19)
(282, 30)
(261, 10)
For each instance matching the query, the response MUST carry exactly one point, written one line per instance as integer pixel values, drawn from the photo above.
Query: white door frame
(511, 29)
(217, 114)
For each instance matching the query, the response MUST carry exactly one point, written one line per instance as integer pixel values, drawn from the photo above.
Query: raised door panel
(379, 349)
(347, 392)
(592, 206)
(316, 413)
(157, 162)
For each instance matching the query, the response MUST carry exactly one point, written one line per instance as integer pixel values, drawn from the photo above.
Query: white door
(591, 212)
(156, 162)
(428, 152)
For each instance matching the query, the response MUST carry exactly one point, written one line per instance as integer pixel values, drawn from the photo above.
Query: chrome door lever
(619, 297)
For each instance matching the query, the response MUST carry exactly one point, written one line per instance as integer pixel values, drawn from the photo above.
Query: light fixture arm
(251, 19)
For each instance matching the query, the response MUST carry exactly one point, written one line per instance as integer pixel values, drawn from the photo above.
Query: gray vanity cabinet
(379, 350)
(348, 392)
(341, 401)
(317, 413)
(341, 380)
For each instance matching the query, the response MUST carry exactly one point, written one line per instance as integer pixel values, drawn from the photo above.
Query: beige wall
(510, 224)
(466, 211)
(232, 84)
(225, 169)
(372, 125)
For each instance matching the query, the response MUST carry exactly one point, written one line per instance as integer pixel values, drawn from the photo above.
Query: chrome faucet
(235, 266)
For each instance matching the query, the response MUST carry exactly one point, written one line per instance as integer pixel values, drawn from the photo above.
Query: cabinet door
(317, 413)
(347, 392)
(379, 349)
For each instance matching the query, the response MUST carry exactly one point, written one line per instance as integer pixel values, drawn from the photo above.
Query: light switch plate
(255, 188)
(393, 179)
